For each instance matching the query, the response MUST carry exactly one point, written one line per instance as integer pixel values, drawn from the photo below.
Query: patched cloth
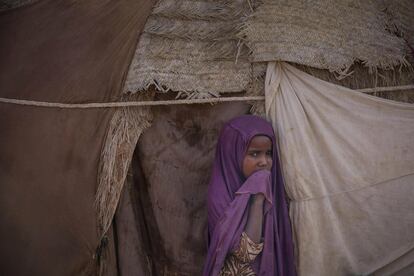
(238, 262)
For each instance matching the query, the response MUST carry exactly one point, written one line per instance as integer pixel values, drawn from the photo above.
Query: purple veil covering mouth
(228, 200)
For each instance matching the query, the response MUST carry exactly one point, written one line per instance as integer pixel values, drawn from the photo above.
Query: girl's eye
(254, 154)
(269, 153)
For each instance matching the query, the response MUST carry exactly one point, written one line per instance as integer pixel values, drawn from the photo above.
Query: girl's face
(258, 155)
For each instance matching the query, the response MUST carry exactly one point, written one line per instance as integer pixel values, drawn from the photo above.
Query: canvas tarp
(348, 163)
(68, 52)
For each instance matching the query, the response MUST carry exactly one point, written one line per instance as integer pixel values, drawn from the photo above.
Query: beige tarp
(348, 161)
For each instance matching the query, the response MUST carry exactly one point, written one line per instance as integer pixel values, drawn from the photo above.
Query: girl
(248, 225)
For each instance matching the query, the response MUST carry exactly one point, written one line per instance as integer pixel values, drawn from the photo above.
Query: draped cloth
(228, 197)
(348, 164)
(69, 52)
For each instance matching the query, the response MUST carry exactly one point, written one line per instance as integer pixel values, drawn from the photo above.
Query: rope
(129, 104)
(172, 102)
(386, 89)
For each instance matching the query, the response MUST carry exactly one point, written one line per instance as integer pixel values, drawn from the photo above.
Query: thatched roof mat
(401, 18)
(192, 46)
(324, 34)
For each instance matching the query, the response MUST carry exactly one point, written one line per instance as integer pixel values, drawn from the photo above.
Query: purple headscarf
(228, 200)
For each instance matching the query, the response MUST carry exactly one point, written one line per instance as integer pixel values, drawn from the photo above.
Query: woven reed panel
(326, 34)
(401, 15)
(191, 47)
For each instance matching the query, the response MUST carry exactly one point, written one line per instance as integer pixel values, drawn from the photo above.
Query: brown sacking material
(70, 52)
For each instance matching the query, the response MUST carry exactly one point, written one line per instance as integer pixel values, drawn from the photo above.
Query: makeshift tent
(82, 194)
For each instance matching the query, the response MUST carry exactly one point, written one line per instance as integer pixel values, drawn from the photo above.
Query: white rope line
(172, 102)
(131, 103)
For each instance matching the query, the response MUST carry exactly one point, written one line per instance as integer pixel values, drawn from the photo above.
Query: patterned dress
(238, 262)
